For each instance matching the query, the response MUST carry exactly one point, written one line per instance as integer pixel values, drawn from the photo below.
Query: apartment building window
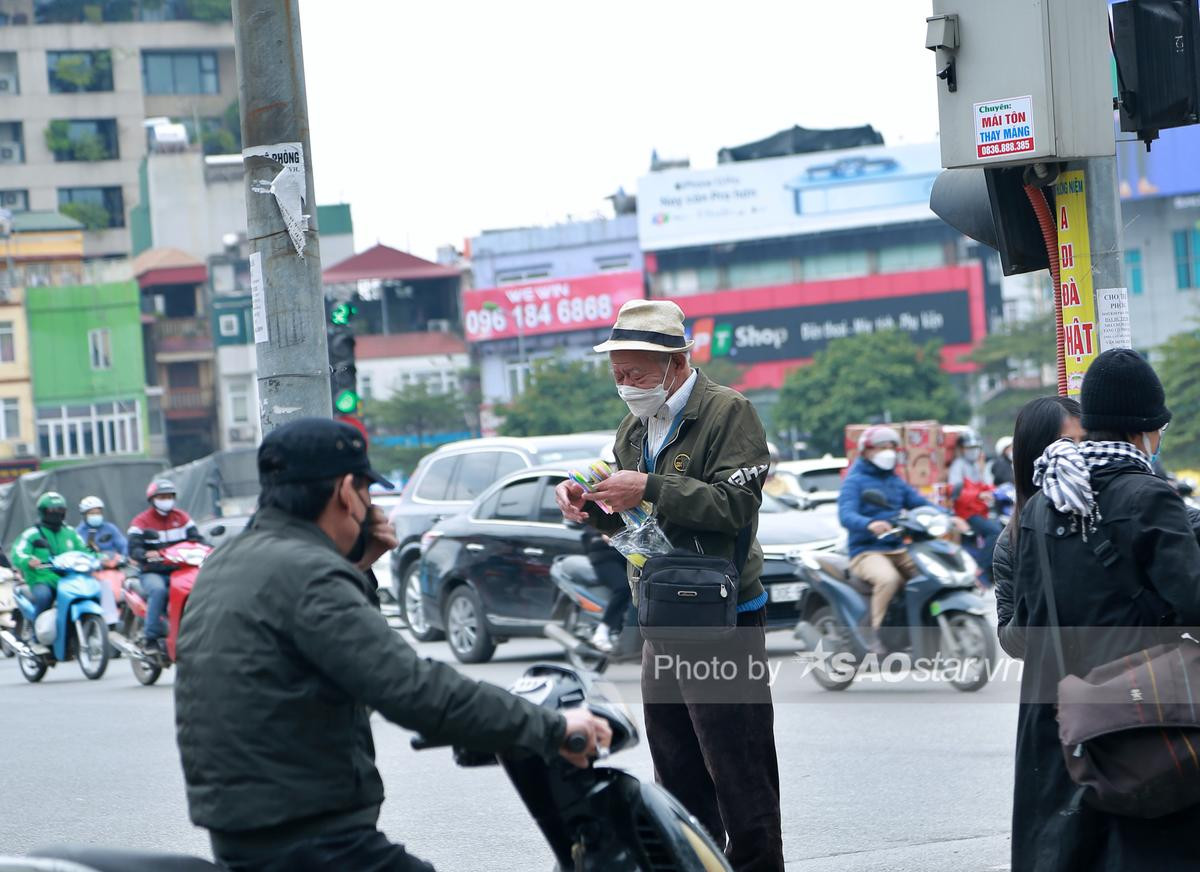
(10, 418)
(66, 432)
(72, 72)
(613, 262)
(10, 83)
(8, 347)
(239, 402)
(1187, 259)
(180, 72)
(100, 348)
(12, 142)
(83, 139)
(1133, 269)
(14, 200)
(95, 208)
(522, 274)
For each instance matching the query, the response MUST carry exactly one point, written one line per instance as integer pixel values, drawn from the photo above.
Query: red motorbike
(181, 564)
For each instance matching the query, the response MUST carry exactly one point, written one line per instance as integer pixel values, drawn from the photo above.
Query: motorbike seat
(839, 567)
(106, 860)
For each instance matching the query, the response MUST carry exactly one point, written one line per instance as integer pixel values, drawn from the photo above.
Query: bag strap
(741, 548)
(1051, 603)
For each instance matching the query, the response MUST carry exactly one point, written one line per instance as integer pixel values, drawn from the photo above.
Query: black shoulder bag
(689, 596)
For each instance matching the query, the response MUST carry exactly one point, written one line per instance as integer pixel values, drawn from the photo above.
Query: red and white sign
(548, 306)
(1004, 128)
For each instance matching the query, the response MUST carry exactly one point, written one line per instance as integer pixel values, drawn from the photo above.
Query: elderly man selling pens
(697, 451)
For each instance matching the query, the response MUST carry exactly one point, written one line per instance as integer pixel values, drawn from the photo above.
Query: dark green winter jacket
(283, 654)
(706, 482)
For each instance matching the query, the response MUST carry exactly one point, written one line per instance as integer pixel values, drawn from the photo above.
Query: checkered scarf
(1063, 472)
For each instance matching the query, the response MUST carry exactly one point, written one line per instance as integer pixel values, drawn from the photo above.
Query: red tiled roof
(374, 347)
(382, 262)
(168, 266)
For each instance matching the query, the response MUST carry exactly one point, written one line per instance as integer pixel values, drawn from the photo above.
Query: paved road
(886, 776)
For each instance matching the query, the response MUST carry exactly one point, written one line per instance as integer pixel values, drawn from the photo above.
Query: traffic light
(989, 204)
(1157, 48)
(343, 374)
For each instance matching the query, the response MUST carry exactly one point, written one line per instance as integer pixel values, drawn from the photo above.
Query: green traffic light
(346, 402)
(342, 313)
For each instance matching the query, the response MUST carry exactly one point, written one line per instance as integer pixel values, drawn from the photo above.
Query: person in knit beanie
(1115, 545)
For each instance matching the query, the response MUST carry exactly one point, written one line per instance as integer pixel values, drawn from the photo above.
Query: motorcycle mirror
(876, 498)
(218, 530)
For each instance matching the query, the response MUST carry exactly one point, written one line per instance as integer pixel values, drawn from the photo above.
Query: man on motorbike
(170, 526)
(973, 498)
(49, 537)
(284, 654)
(101, 535)
(881, 562)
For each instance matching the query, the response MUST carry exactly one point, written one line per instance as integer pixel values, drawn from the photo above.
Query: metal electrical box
(1022, 81)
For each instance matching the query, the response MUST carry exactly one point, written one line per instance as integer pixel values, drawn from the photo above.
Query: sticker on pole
(258, 299)
(1004, 128)
(288, 186)
(1112, 311)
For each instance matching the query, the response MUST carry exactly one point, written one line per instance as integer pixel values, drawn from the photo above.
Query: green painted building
(88, 371)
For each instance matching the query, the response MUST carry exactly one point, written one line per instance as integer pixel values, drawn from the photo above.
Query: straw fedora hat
(647, 325)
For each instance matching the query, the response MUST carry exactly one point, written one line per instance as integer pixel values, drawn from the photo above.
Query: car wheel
(465, 630)
(413, 609)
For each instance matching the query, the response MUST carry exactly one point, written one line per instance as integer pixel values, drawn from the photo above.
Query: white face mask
(644, 402)
(885, 459)
(164, 506)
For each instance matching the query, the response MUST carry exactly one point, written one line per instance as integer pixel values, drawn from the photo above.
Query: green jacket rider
(33, 561)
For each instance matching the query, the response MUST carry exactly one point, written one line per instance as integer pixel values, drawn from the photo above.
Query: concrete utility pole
(285, 258)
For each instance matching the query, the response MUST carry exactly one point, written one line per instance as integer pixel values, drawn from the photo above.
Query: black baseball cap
(313, 449)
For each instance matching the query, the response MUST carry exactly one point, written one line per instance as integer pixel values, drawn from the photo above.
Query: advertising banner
(793, 322)
(1080, 341)
(787, 196)
(548, 306)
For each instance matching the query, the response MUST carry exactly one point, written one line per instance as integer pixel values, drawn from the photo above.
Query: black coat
(1012, 639)
(283, 654)
(1154, 583)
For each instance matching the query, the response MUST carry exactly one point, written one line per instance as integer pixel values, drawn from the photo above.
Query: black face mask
(359, 548)
(53, 522)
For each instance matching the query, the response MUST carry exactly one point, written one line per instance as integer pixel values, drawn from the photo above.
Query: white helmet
(877, 435)
(88, 504)
(1003, 444)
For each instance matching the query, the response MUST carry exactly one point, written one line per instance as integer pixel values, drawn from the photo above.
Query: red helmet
(160, 486)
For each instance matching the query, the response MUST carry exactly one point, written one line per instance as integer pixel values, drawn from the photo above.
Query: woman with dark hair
(1040, 422)
(1112, 543)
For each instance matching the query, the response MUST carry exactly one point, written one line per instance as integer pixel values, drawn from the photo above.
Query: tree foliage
(1016, 348)
(93, 216)
(419, 412)
(1177, 369)
(565, 396)
(866, 378)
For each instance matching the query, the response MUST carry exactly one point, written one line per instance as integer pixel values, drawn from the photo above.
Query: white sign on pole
(1004, 128)
(258, 299)
(1112, 311)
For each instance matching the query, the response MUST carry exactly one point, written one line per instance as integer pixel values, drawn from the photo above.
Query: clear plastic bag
(641, 542)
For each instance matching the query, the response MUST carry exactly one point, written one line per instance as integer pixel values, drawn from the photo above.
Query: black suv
(484, 575)
(447, 481)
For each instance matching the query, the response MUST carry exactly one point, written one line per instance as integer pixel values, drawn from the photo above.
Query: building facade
(77, 83)
(389, 364)
(88, 371)
(18, 449)
(541, 292)
(772, 259)
(237, 371)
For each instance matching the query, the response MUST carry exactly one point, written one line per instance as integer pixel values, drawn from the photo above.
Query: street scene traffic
(518, 437)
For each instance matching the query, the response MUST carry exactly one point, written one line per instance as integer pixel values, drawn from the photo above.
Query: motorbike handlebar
(577, 742)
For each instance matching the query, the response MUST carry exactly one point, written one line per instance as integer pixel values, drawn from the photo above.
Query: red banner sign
(548, 306)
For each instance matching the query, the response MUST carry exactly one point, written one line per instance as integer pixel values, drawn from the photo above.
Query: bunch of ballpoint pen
(596, 473)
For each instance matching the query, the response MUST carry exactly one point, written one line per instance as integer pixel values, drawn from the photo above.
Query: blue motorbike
(937, 619)
(72, 629)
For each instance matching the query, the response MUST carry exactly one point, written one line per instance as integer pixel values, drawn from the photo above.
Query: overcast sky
(440, 118)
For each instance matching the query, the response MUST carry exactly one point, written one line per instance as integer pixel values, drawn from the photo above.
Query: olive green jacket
(706, 483)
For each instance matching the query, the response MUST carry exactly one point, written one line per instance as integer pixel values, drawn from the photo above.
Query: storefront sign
(548, 306)
(794, 322)
(1080, 340)
(786, 196)
(11, 470)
